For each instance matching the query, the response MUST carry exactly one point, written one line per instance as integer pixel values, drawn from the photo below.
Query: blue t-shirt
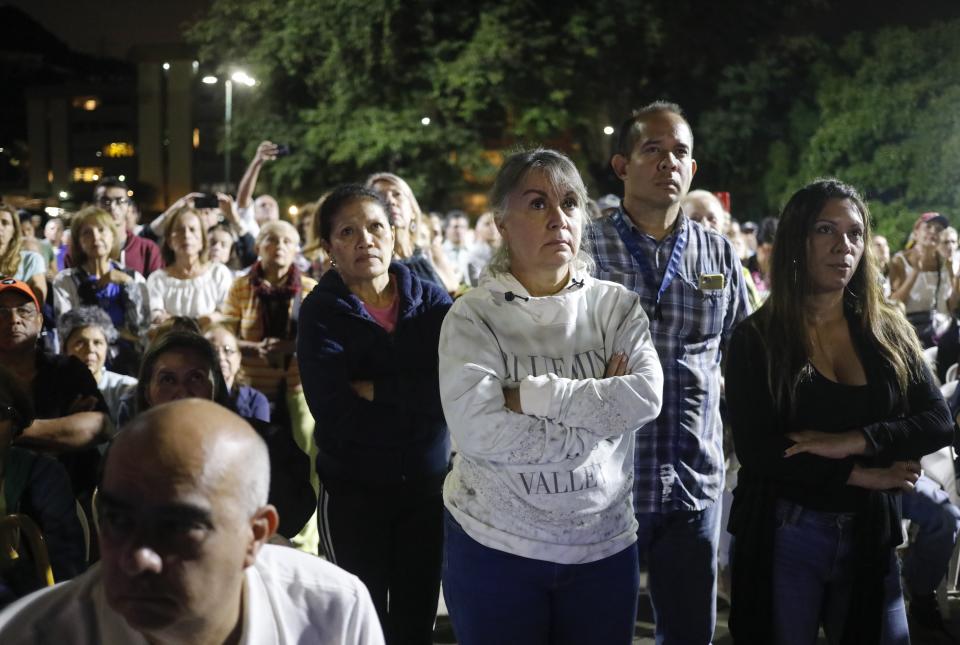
(31, 263)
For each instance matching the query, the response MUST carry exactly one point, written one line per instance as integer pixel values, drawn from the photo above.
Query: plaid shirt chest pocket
(701, 312)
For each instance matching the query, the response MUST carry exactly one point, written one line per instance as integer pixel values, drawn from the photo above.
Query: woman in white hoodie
(545, 375)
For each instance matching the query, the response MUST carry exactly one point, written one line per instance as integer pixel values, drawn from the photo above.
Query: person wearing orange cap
(71, 415)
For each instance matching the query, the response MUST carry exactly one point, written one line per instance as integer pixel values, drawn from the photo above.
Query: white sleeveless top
(931, 290)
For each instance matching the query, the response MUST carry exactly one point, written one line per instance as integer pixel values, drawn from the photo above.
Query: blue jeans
(680, 551)
(938, 524)
(498, 597)
(813, 563)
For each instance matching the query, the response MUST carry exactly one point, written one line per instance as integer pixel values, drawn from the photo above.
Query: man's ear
(263, 525)
(619, 164)
(693, 167)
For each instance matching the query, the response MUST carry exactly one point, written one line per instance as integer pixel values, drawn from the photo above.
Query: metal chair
(12, 529)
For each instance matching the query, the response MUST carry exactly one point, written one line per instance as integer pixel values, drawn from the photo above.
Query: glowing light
(209, 80)
(116, 149)
(64, 194)
(608, 130)
(243, 78)
(425, 120)
(293, 210)
(87, 174)
(129, 193)
(166, 66)
(196, 138)
(88, 103)
(122, 177)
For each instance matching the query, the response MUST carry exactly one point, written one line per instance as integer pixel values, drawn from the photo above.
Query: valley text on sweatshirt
(553, 483)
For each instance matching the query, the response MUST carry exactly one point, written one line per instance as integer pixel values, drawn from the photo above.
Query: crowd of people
(530, 411)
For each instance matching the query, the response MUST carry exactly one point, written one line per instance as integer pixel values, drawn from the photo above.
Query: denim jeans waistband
(791, 513)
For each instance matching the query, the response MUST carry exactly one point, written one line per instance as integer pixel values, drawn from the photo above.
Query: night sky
(111, 27)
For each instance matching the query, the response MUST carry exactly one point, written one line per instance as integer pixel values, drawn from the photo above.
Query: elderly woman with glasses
(248, 402)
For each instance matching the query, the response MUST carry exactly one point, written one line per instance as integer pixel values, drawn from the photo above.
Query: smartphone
(206, 201)
(283, 149)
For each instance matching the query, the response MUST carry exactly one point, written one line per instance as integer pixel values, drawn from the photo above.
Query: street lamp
(243, 78)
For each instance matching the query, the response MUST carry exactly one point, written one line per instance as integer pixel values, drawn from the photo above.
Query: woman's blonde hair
(10, 258)
(404, 187)
(562, 174)
(91, 215)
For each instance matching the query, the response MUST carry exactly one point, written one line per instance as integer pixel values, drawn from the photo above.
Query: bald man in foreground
(184, 522)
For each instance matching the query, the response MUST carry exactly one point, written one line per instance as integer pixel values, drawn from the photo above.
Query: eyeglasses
(109, 202)
(25, 312)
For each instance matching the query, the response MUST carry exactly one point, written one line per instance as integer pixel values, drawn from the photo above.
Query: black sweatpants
(392, 539)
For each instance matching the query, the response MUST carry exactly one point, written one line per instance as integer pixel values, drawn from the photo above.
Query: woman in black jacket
(368, 360)
(831, 406)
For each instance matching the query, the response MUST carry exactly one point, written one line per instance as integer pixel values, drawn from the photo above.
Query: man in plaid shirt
(692, 287)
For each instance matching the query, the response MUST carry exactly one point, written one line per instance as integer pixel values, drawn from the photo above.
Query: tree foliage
(349, 82)
(777, 94)
(878, 111)
(889, 123)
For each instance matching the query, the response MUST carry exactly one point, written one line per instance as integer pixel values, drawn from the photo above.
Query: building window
(88, 103)
(87, 174)
(196, 138)
(117, 149)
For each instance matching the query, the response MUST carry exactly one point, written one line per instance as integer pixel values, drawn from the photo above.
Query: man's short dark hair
(454, 215)
(110, 182)
(629, 131)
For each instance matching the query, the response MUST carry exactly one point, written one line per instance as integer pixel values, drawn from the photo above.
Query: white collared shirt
(292, 597)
